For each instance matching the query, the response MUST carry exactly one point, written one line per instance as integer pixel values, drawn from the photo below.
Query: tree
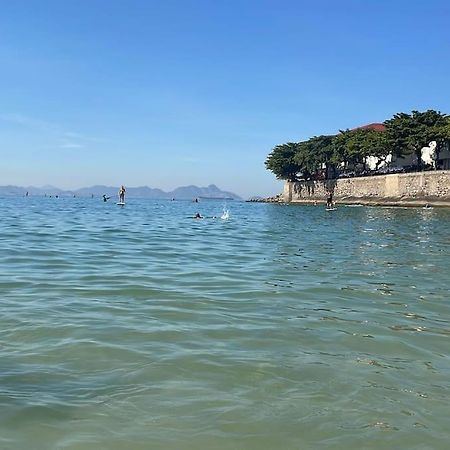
(348, 148)
(317, 154)
(408, 133)
(304, 159)
(354, 146)
(404, 134)
(281, 161)
(443, 134)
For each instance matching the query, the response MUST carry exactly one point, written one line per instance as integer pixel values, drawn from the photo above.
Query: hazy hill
(180, 193)
(211, 191)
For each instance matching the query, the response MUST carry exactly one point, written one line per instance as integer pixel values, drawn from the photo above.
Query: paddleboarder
(330, 199)
(122, 191)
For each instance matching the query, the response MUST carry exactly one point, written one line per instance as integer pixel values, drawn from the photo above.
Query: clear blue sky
(167, 93)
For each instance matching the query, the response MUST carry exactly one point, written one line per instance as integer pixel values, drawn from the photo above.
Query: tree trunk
(419, 159)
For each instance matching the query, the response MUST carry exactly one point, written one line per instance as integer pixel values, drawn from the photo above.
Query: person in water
(105, 198)
(122, 191)
(198, 216)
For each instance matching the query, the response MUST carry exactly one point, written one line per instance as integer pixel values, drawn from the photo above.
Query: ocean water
(282, 327)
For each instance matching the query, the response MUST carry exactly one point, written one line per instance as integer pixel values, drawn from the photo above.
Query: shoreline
(416, 203)
(413, 203)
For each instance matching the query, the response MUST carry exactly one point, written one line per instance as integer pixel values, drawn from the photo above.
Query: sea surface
(281, 327)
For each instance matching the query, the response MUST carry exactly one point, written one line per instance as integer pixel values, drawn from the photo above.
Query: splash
(225, 215)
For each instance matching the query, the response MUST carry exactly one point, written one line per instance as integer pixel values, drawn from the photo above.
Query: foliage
(319, 152)
(443, 134)
(281, 161)
(319, 156)
(408, 133)
(353, 146)
(314, 154)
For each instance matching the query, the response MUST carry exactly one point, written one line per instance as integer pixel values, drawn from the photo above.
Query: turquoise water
(283, 327)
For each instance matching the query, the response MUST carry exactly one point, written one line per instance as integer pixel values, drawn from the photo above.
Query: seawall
(406, 189)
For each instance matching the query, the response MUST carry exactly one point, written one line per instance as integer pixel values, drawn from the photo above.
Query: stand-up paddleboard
(120, 203)
(330, 209)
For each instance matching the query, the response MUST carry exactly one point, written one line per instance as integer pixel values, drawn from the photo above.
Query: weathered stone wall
(406, 188)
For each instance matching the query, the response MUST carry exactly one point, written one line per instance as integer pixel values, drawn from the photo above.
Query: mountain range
(180, 193)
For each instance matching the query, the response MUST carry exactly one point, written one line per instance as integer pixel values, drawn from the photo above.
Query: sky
(170, 93)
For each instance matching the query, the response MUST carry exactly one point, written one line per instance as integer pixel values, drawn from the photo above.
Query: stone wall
(407, 188)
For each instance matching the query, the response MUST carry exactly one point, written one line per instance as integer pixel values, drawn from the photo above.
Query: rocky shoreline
(413, 203)
(377, 202)
(276, 199)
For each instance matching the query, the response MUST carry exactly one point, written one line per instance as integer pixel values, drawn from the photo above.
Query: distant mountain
(212, 191)
(180, 193)
(32, 190)
(12, 190)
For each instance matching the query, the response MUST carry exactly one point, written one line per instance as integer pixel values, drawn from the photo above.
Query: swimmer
(198, 216)
(105, 198)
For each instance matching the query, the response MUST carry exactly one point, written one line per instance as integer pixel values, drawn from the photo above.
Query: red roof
(372, 126)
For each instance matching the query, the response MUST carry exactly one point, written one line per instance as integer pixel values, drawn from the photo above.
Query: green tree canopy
(316, 154)
(281, 161)
(408, 133)
(354, 146)
(443, 133)
(404, 134)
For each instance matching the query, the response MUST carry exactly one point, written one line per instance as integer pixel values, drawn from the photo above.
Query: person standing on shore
(122, 191)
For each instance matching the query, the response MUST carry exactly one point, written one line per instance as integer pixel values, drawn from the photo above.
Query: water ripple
(281, 327)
